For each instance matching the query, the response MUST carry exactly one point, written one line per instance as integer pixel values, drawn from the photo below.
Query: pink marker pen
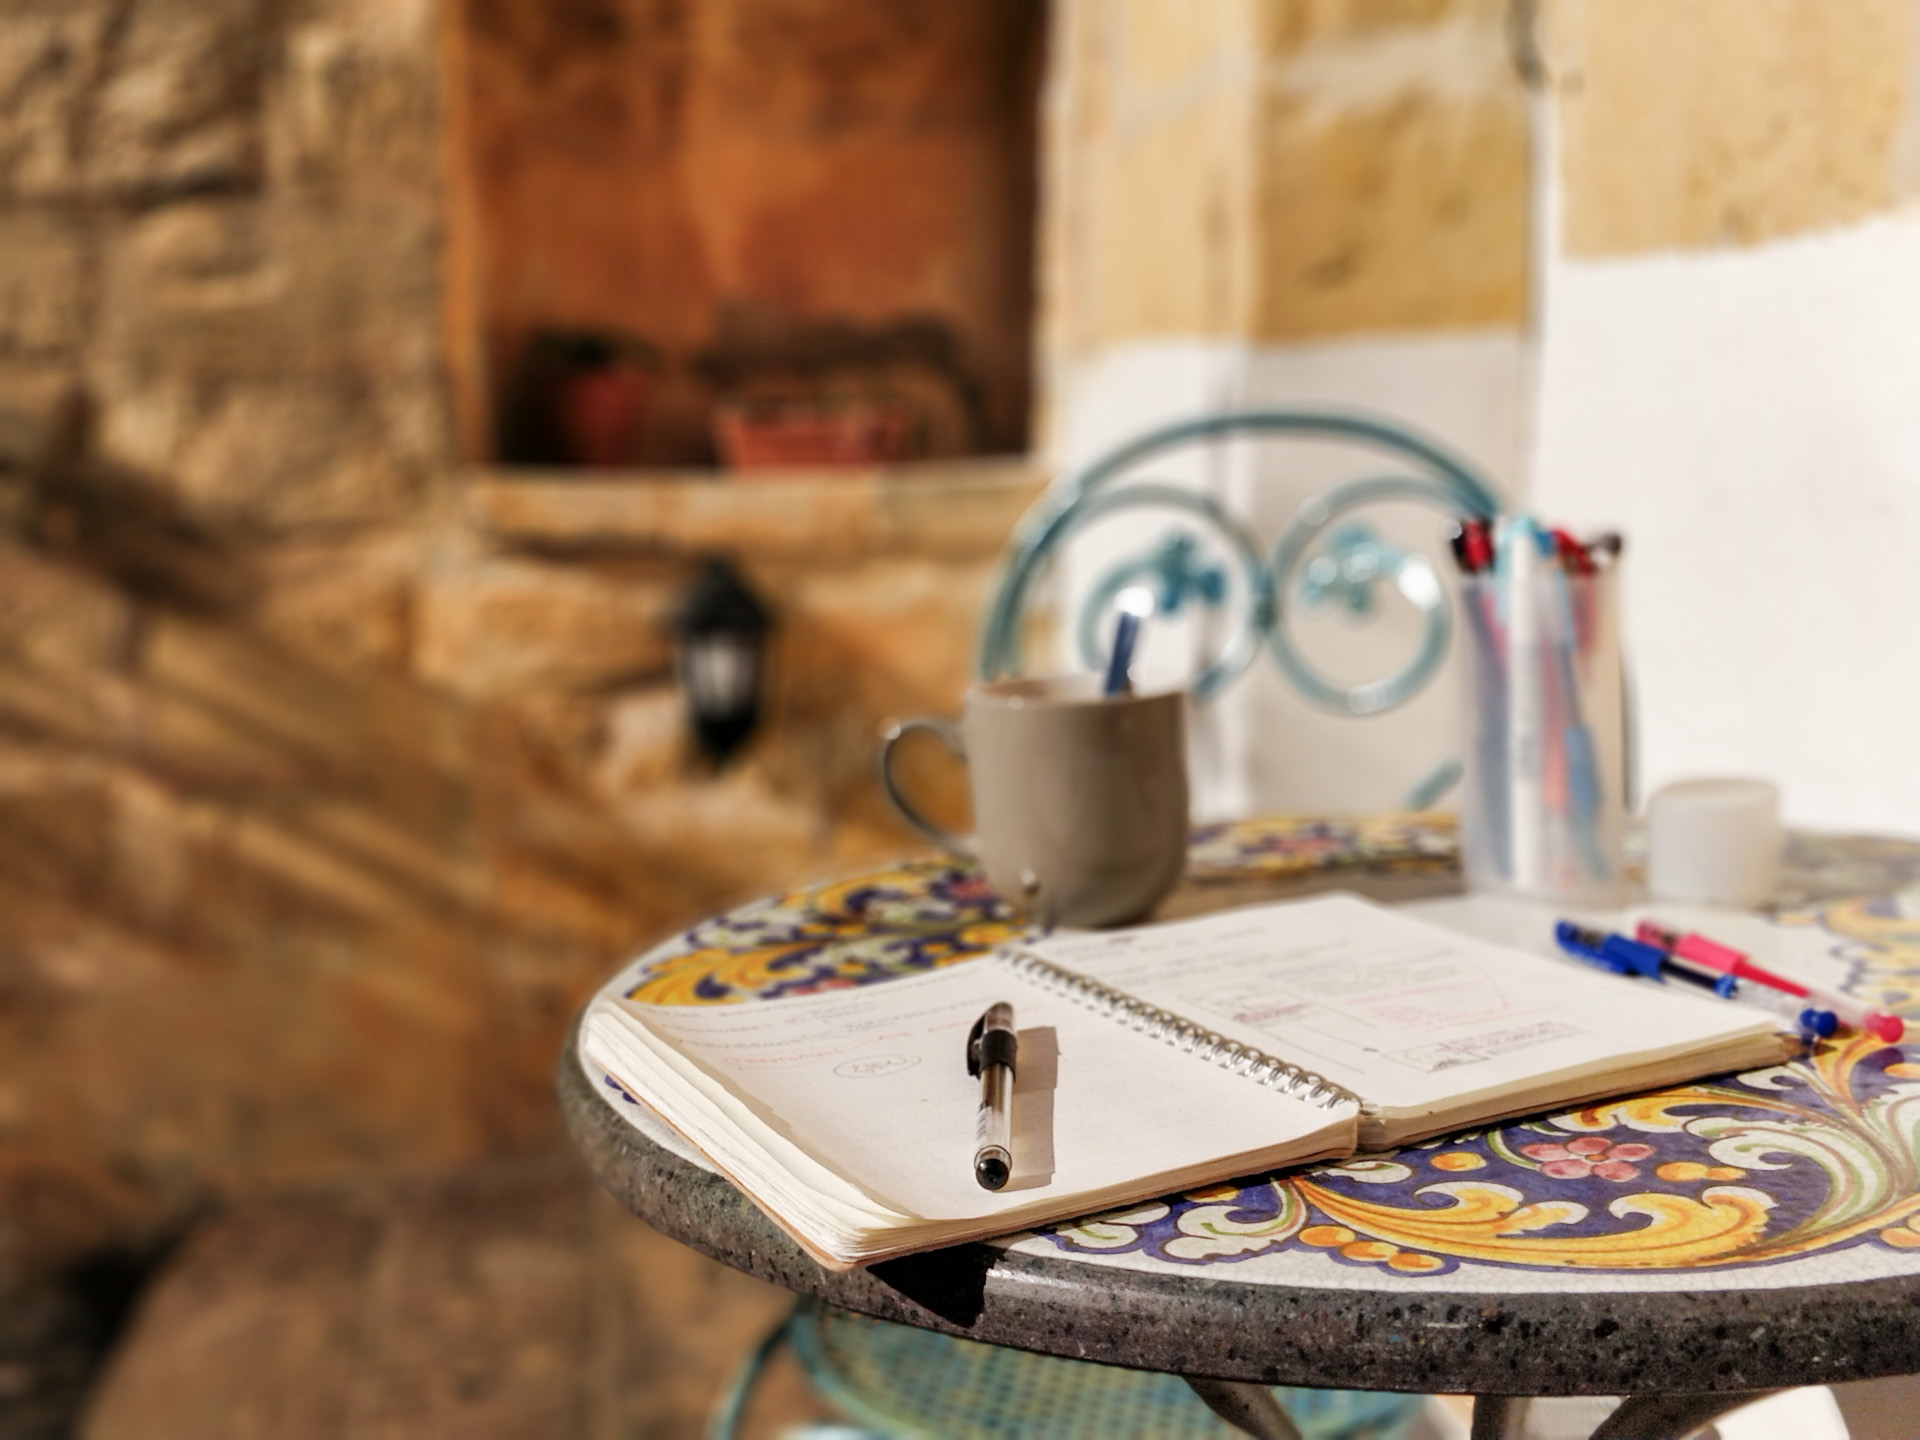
(1724, 958)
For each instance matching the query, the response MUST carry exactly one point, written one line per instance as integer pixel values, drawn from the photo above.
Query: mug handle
(950, 735)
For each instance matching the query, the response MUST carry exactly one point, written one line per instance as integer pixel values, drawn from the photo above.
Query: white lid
(1714, 842)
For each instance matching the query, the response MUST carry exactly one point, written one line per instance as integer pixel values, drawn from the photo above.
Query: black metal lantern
(721, 631)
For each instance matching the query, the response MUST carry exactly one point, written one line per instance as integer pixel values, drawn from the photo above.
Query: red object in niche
(600, 412)
(781, 434)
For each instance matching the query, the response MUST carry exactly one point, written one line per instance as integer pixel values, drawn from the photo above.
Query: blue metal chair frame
(1342, 564)
(894, 1382)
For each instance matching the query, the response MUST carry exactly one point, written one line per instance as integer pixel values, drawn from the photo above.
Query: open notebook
(1151, 1060)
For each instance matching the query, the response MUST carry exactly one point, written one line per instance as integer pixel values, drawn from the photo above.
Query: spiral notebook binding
(1256, 1065)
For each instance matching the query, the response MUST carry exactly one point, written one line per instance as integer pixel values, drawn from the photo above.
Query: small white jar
(1714, 842)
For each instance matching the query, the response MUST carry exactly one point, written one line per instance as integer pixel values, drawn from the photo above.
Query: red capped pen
(1724, 958)
(1472, 546)
(1572, 554)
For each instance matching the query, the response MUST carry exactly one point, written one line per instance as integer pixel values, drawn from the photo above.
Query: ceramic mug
(1079, 800)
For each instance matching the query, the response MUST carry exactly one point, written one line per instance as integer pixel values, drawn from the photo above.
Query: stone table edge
(1604, 1343)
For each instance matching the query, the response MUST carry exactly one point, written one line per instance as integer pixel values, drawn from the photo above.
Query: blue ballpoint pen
(1633, 957)
(1135, 605)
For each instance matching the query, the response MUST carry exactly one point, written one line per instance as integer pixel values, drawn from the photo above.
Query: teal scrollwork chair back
(1323, 558)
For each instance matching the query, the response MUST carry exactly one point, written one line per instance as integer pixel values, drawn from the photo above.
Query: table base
(1247, 1407)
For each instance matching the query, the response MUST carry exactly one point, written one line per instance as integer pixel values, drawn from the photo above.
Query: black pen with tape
(991, 1051)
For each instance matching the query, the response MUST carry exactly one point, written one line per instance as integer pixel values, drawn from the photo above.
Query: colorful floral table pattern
(933, 912)
(1283, 847)
(1817, 1157)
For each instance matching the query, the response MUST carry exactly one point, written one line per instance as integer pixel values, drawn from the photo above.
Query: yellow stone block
(1167, 43)
(1168, 219)
(1288, 25)
(1262, 170)
(1694, 123)
(1407, 214)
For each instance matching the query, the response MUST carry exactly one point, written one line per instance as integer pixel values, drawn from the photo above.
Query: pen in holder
(1543, 812)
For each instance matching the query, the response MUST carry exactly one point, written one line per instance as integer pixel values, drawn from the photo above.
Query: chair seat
(907, 1382)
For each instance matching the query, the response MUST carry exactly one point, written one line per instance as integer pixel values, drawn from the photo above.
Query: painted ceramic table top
(1803, 1175)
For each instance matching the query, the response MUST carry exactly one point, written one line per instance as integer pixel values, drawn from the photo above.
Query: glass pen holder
(1543, 813)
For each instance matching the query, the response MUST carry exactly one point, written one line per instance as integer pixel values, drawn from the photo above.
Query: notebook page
(703, 1114)
(873, 1082)
(1410, 1017)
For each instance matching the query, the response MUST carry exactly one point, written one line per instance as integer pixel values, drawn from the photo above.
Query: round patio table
(1750, 1233)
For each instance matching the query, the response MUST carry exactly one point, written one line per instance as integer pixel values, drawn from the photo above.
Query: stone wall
(1723, 122)
(333, 775)
(1282, 171)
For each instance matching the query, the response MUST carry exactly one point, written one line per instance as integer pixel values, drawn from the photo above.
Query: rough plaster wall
(1731, 310)
(1747, 418)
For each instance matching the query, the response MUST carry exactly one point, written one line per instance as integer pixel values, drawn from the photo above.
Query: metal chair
(1323, 558)
(894, 1382)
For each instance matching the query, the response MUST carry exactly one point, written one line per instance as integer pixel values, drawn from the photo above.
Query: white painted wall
(1262, 748)
(1751, 419)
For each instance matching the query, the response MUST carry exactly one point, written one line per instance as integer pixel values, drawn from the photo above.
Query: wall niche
(692, 232)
